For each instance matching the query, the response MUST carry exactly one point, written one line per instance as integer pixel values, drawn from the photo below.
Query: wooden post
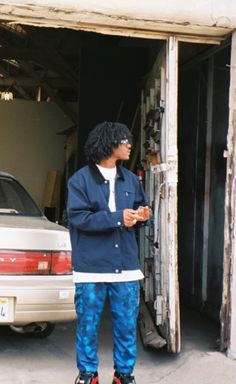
(171, 193)
(228, 310)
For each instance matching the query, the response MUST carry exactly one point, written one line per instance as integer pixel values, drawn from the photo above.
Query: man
(105, 202)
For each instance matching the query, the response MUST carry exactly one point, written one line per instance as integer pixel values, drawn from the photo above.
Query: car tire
(36, 330)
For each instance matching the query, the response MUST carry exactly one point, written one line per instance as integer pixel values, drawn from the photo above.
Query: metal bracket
(158, 168)
(158, 306)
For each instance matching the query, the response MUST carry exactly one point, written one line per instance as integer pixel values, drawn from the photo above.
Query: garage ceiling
(43, 63)
(40, 64)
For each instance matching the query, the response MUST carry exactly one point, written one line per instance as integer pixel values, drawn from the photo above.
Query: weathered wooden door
(228, 308)
(158, 243)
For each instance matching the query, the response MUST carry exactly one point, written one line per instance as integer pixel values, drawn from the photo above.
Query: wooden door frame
(228, 309)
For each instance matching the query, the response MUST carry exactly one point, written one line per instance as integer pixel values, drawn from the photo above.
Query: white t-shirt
(84, 277)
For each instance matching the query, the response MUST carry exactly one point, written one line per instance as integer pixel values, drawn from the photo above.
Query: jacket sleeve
(140, 200)
(80, 214)
(140, 197)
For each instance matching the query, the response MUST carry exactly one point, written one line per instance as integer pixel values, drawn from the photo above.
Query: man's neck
(108, 163)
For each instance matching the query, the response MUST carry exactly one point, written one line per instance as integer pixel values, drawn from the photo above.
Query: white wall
(29, 146)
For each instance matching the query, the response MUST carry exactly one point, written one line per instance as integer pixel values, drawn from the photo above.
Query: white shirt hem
(82, 277)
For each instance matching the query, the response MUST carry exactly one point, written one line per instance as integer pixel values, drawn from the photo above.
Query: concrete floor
(198, 363)
(25, 360)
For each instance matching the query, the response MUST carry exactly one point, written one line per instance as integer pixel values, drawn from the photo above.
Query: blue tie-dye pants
(124, 305)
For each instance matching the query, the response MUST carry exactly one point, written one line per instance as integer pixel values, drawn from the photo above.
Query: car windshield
(14, 200)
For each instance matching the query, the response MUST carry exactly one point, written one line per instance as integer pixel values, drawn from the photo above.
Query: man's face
(122, 152)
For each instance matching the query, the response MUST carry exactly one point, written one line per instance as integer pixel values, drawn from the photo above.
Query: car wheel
(38, 330)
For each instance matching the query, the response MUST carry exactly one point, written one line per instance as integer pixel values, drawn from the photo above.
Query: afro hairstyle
(103, 139)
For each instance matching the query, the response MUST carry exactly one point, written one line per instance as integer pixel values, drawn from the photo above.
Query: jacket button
(116, 245)
(119, 223)
(117, 271)
(105, 181)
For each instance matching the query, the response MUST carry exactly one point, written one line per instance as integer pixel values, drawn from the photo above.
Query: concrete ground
(52, 361)
(198, 363)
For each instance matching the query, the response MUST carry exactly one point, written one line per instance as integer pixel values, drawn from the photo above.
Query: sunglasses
(123, 141)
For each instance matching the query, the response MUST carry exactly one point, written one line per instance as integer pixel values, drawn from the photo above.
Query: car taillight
(25, 263)
(34, 263)
(61, 263)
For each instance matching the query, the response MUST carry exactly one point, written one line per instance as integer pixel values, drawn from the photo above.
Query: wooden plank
(173, 342)
(145, 19)
(161, 275)
(228, 309)
(148, 330)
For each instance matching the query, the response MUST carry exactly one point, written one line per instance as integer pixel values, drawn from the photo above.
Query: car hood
(35, 233)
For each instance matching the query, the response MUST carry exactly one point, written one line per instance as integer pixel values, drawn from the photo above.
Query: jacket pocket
(128, 197)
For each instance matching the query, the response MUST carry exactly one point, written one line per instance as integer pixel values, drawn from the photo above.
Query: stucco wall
(29, 146)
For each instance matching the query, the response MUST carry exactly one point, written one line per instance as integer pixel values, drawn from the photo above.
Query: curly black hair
(103, 139)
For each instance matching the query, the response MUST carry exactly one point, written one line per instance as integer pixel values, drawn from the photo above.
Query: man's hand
(144, 213)
(130, 217)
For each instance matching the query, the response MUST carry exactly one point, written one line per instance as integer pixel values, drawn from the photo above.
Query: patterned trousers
(124, 305)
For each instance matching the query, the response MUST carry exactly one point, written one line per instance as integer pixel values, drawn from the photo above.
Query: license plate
(4, 309)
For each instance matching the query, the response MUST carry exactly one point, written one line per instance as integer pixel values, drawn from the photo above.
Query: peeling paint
(228, 309)
(108, 19)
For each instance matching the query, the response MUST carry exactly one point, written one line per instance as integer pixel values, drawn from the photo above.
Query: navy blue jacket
(100, 242)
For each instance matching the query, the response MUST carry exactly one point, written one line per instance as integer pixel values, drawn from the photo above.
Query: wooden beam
(52, 54)
(16, 53)
(45, 54)
(24, 81)
(27, 68)
(14, 85)
(148, 18)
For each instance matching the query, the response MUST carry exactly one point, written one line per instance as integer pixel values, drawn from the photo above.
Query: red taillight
(34, 263)
(61, 263)
(24, 263)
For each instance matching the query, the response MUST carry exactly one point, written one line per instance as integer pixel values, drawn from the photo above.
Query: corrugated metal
(147, 18)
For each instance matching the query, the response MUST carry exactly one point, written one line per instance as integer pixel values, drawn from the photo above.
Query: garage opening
(202, 139)
(63, 82)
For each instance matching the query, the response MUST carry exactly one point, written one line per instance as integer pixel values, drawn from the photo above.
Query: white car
(36, 287)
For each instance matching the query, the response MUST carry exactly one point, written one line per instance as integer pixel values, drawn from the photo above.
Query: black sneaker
(87, 378)
(123, 378)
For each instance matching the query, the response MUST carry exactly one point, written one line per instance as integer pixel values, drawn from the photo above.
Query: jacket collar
(99, 178)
